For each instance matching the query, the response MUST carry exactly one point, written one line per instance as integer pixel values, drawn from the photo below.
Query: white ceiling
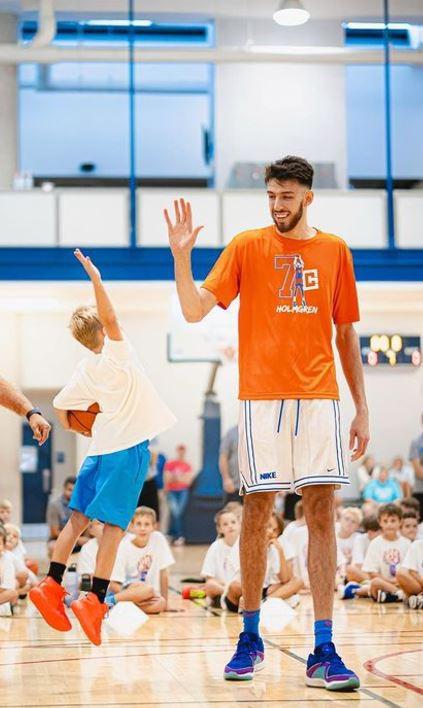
(320, 9)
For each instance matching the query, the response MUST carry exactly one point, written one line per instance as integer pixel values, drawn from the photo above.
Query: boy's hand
(182, 235)
(87, 264)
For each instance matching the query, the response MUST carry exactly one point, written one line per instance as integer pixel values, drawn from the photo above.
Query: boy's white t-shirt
(384, 557)
(131, 409)
(273, 566)
(290, 530)
(222, 561)
(134, 563)
(17, 560)
(361, 544)
(7, 571)
(346, 545)
(414, 558)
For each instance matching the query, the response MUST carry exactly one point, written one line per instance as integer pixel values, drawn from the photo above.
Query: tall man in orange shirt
(294, 281)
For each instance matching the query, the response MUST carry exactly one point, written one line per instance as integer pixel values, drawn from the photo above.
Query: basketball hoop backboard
(215, 339)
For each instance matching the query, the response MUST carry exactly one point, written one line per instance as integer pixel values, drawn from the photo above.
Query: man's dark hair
(389, 510)
(370, 523)
(290, 167)
(69, 480)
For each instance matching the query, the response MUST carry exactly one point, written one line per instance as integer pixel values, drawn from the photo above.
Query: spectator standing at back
(58, 513)
(416, 459)
(178, 477)
(228, 465)
(149, 493)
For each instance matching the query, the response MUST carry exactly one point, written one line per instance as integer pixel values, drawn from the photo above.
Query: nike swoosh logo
(331, 470)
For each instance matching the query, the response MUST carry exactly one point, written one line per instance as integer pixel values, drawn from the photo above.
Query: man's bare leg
(253, 546)
(318, 504)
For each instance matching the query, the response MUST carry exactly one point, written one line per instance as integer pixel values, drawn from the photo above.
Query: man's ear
(308, 198)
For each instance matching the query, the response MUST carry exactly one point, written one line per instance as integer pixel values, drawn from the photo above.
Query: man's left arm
(348, 346)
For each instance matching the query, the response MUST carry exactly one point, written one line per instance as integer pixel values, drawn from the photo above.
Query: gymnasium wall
(40, 354)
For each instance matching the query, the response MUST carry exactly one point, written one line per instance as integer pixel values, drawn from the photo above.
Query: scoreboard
(391, 349)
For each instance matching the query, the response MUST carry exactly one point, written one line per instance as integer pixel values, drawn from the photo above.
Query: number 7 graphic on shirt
(286, 265)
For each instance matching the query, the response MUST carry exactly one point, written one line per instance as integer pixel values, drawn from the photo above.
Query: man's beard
(289, 223)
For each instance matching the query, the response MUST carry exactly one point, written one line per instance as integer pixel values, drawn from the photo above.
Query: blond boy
(112, 475)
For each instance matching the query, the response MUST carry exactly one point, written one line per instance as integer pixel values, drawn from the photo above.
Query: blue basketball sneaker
(248, 657)
(348, 591)
(325, 669)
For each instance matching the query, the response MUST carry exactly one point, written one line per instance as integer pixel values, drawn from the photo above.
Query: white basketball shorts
(290, 444)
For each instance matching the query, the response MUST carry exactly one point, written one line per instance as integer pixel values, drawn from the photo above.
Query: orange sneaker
(48, 599)
(90, 613)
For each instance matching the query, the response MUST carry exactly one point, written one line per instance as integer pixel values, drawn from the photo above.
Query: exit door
(36, 470)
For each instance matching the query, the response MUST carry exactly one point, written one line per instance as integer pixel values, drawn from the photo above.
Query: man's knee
(319, 508)
(257, 508)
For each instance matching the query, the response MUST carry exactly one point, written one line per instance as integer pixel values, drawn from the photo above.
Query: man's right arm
(196, 303)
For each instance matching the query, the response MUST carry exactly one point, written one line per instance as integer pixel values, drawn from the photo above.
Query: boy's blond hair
(145, 511)
(86, 326)
(6, 504)
(353, 511)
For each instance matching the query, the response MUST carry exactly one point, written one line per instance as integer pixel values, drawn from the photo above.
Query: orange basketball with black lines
(83, 421)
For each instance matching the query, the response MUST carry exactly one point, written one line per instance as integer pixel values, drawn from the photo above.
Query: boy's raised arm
(105, 309)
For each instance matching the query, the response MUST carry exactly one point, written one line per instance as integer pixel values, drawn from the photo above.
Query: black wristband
(33, 411)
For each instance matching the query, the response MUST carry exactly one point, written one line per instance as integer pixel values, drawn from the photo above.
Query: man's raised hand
(182, 235)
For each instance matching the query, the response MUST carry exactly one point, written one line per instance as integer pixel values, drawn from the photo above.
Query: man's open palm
(182, 235)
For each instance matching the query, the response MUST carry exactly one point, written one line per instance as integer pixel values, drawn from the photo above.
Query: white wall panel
(409, 218)
(358, 216)
(152, 230)
(27, 219)
(93, 217)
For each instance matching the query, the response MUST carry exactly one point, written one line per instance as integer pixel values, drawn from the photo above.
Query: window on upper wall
(366, 108)
(81, 109)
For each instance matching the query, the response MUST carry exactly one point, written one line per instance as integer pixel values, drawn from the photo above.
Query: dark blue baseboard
(157, 264)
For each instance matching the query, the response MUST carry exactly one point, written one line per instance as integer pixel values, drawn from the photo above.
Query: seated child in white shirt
(371, 529)
(299, 542)
(409, 525)
(280, 580)
(347, 532)
(410, 575)
(8, 591)
(25, 578)
(384, 556)
(221, 566)
(141, 574)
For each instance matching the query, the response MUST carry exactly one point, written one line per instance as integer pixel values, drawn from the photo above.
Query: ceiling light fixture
(291, 13)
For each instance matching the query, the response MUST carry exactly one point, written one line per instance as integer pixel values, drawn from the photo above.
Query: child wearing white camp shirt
(8, 593)
(280, 580)
(141, 574)
(385, 555)
(410, 575)
(221, 566)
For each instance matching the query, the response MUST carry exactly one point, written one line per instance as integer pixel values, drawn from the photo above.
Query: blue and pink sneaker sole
(244, 674)
(316, 676)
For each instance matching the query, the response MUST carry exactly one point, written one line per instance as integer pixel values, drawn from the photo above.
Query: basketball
(83, 421)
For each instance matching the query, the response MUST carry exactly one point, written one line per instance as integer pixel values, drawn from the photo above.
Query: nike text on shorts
(290, 444)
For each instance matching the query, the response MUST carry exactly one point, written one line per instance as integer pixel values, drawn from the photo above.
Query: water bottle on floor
(71, 584)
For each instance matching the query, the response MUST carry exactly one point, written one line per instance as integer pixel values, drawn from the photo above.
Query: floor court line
(370, 666)
(366, 691)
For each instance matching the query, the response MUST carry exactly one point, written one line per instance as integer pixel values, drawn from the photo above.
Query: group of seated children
(221, 566)
(387, 559)
(17, 574)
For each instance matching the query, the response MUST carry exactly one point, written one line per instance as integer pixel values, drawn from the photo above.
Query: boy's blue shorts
(108, 486)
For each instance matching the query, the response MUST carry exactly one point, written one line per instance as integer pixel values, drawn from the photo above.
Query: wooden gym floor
(177, 659)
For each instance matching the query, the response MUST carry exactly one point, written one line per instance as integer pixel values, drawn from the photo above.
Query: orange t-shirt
(290, 292)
